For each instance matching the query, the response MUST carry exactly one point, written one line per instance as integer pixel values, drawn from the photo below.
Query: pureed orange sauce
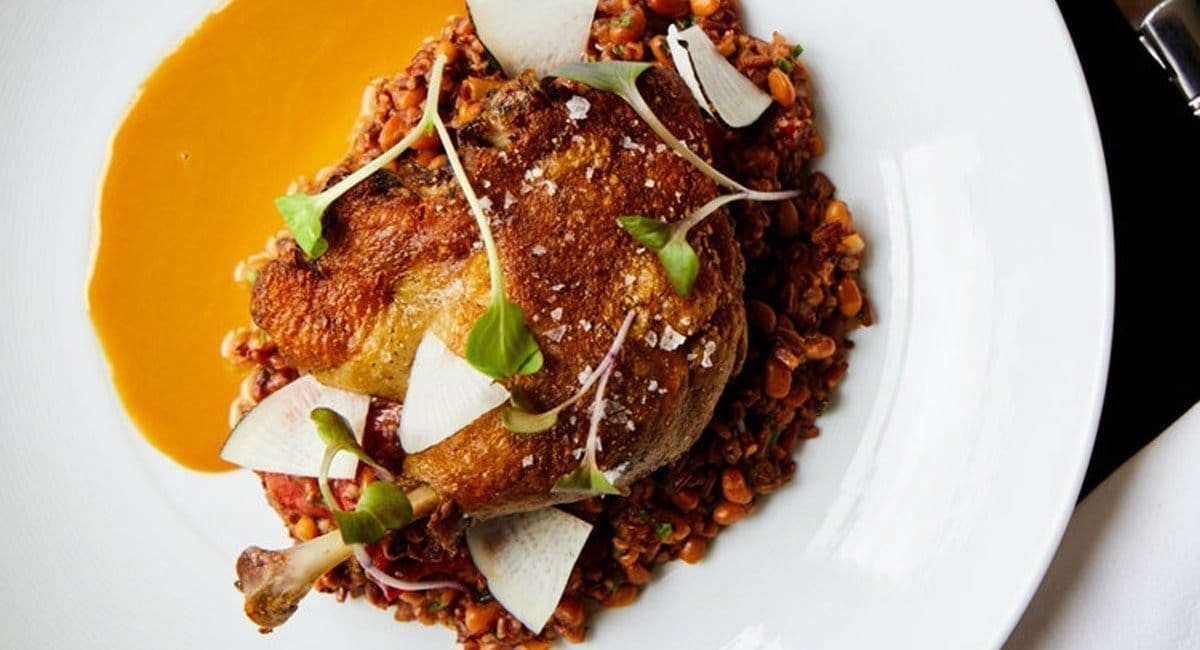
(262, 92)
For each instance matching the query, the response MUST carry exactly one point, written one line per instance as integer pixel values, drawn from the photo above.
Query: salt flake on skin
(591, 171)
(538, 250)
(650, 182)
(709, 348)
(586, 325)
(584, 374)
(628, 143)
(558, 287)
(485, 203)
(577, 108)
(652, 339)
(534, 173)
(652, 386)
(551, 187)
(509, 199)
(557, 333)
(556, 313)
(527, 461)
(577, 453)
(671, 340)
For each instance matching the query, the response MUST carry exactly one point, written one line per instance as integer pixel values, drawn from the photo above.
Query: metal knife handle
(1172, 34)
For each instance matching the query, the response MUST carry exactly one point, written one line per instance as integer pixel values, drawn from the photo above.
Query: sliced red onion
(383, 579)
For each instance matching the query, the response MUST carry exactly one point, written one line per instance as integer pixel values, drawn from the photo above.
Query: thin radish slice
(735, 98)
(533, 34)
(445, 394)
(279, 436)
(683, 65)
(527, 558)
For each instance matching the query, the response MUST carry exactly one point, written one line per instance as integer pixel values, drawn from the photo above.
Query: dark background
(1152, 148)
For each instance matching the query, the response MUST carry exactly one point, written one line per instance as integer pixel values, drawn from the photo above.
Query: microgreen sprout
(500, 344)
(382, 506)
(669, 241)
(303, 212)
(518, 416)
(588, 479)
(620, 78)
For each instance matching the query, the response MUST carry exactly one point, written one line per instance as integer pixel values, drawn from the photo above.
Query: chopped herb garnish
(624, 21)
(520, 418)
(686, 21)
(785, 65)
(252, 276)
(643, 516)
(663, 530)
(824, 407)
(382, 506)
(434, 606)
(773, 438)
(797, 51)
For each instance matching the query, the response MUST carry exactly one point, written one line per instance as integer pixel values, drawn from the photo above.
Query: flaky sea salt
(671, 340)
(584, 374)
(557, 333)
(652, 386)
(589, 173)
(709, 348)
(556, 313)
(509, 199)
(586, 325)
(628, 143)
(577, 108)
(651, 339)
(538, 250)
(527, 461)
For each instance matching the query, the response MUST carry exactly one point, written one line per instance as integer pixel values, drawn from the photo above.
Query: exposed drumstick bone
(274, 582)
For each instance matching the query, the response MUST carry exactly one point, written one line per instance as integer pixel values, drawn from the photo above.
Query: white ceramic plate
(962, 136)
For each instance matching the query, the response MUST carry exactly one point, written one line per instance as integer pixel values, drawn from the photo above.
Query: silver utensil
(1170, 30)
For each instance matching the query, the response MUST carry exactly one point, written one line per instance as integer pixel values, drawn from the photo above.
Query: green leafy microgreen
(651, 233)
(663, 530)
(336, 433)
(520, 416)
(785, 65)
(358, 527)
(796, 51)
(499, 344)
(682, 265)
(303, 212)
(382, 506)
(387, 503)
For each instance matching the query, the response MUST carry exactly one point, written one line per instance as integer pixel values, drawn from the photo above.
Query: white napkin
(1127, 574)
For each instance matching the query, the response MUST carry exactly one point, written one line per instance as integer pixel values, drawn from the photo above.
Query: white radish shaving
(445, 394)
(683, 65)
(534, 34)
(279, 436)
(527, 559)
(735, 98)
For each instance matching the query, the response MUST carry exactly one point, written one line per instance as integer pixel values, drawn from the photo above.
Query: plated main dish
(565, 310)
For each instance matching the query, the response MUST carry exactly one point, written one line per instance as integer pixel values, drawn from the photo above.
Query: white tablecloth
(1128, 572)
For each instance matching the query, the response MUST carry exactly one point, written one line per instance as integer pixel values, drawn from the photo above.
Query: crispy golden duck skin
(404, 257)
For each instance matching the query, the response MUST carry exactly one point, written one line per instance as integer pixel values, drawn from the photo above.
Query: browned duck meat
(556, 168)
